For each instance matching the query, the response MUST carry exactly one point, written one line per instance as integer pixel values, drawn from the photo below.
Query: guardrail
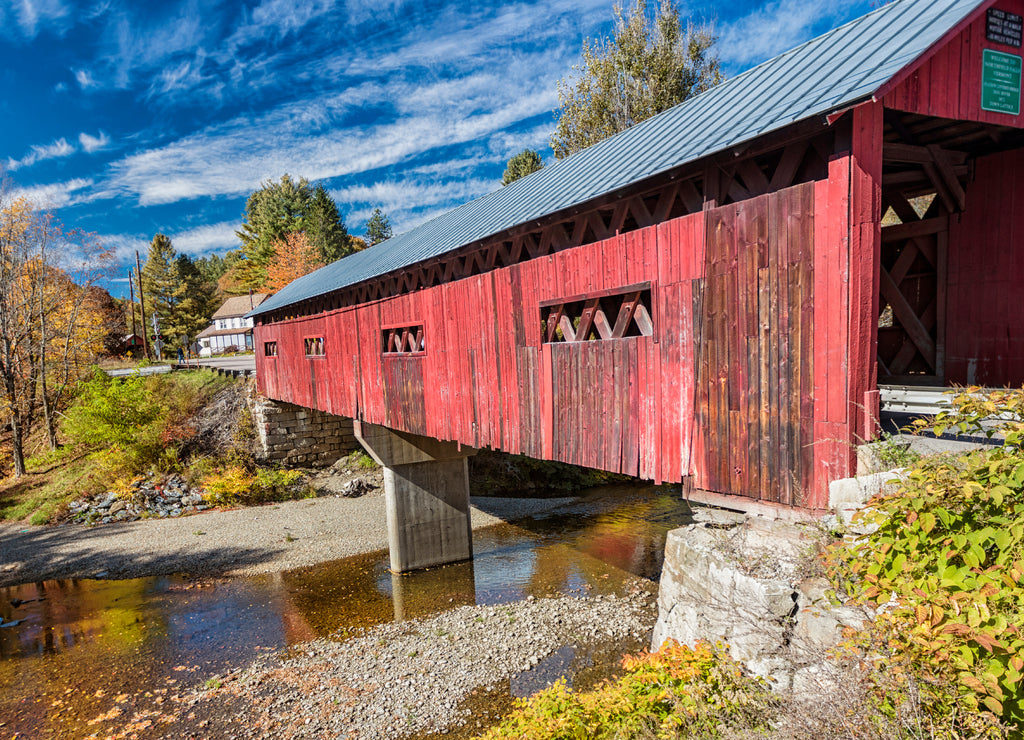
(913, 399)
(227, 372)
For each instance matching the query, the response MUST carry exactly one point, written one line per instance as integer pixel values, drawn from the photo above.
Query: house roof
(844, 66)
(240, 305)
(211, 332)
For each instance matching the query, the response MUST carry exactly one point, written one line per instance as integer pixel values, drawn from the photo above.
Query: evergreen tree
(378, 228)
(646, 68)
(521, 165)
(211, 267)
(195, 300)
(325, 227)
(276, 209)
(159, 280)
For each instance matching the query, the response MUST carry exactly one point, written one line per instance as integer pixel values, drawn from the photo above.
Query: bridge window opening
(270, 349)
(618, 314)
(404, 340)
(314, 346)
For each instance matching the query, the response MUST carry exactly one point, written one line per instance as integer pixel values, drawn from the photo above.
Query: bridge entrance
(945, 311)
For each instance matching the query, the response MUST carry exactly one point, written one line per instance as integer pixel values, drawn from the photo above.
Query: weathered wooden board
(985, 299)
(948, 82)
(725, 391)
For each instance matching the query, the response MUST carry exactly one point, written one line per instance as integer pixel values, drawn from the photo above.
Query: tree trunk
(17, 434)
(17, 447)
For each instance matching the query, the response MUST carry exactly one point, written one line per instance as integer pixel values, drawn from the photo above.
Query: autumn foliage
(294, 256)
(52, 323)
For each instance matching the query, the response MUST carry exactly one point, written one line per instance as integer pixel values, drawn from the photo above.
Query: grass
(55, 478)
(52, 482)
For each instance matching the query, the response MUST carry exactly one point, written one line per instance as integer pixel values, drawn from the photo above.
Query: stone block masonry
(294, 435)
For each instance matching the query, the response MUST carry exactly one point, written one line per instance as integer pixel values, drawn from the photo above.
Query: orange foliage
(295, 256)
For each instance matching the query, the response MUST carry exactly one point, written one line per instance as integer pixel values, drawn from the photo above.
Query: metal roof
(844, 66)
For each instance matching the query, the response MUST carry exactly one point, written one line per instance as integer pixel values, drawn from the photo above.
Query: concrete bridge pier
(426, 487)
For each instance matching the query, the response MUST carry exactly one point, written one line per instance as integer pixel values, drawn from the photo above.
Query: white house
(230, 331)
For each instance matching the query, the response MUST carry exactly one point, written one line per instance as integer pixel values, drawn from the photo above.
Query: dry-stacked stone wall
(294, 435)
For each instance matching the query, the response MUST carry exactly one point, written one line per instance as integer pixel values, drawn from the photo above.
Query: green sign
(1000, 82)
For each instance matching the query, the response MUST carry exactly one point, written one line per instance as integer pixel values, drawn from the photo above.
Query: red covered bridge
(711, 296)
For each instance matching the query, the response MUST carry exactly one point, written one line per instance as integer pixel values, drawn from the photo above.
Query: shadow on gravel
(44, 553)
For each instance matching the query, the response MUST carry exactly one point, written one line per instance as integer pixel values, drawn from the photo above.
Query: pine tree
(276, 209)
(378, 228)
(159, 280)
(212, 267)
(326, 228)
(195, 300)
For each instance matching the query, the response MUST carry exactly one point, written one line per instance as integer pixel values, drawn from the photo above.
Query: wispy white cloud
(39, 152)
(91, 144)
(55, 195)
(206, 239)
(235, 157)
(28, 18)
(775, 27)
(85, 79)
(278, 18)
(124, 246)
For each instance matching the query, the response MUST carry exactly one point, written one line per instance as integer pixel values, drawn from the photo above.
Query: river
(86, 648)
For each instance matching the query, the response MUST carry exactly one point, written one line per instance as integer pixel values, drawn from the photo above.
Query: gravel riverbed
(248, 541)
(410, 677)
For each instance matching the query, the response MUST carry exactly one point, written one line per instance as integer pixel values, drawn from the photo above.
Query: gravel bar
(409, 677)
(246, 541)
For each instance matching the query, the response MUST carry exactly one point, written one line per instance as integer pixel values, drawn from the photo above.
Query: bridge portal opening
(952, 251)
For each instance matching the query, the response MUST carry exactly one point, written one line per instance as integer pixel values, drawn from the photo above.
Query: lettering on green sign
(1000, 82)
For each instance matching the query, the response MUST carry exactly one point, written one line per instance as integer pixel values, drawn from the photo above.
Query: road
(239, 362)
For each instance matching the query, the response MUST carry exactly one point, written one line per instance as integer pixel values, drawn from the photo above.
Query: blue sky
(133, 118)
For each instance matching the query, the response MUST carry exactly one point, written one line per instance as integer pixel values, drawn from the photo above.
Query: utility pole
(131, 292)
(157, 343)
(142, 305)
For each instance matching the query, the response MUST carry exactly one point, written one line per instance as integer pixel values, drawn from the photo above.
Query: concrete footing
(426, 487)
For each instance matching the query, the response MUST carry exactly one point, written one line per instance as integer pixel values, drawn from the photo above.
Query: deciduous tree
(50, 330)
(521, 165)
(295, 256)
(646, 67)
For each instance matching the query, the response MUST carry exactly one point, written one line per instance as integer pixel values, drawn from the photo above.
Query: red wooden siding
(741, 386)
(985, 310)
(756, 364)
(948, 83)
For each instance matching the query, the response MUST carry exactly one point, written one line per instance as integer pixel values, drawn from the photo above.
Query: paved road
(241, 362)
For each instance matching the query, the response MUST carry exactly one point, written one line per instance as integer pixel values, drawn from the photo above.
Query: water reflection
(92, 649)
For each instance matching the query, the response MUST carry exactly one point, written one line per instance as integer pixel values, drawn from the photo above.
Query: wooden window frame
(267, 345)
(416, 333)
(634, 317)
(306, 347)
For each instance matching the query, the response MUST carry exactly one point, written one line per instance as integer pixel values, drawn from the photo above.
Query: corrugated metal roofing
(825, 74)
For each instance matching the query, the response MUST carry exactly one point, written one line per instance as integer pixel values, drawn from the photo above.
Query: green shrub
(947, 563)
(137, 423)
(678, 692)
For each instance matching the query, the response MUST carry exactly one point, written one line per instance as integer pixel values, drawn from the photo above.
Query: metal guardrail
(913, 399)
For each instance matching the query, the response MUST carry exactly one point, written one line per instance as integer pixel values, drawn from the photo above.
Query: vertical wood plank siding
(985, 310)
(948, 83)
(742, 385)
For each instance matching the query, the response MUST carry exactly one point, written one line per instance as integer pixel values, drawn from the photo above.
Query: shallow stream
(88, 650)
